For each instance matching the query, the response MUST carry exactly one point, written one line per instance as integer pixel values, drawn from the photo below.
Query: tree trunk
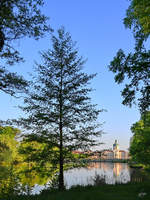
(61, 159)
(61, 171)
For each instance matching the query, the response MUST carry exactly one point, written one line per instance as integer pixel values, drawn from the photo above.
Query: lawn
(103, 192)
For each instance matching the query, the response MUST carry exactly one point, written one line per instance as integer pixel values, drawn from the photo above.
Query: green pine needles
(58, 106)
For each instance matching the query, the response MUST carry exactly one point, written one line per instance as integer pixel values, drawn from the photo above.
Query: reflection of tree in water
(27, 163)
(22, 164)
(139, 175)
(8, 157)
(23, 180)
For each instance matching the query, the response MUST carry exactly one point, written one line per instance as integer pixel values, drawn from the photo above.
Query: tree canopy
(134, 68)
(8, 144)
(18, 19)
(140, 142)
(138, 16)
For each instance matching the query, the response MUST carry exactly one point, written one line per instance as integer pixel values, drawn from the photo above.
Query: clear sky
(98, 28)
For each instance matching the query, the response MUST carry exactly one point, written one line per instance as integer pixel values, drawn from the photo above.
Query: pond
(94, 172)
(111, 172)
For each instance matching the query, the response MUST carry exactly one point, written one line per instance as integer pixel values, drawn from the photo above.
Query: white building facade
(115, 153)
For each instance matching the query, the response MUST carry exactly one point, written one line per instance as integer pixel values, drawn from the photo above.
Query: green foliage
(35, 168)
(138, 16)
(18, 19)
(58, 107)
(11, 83)
(8, 157)
(135, 67)
(8, 144)
(140, 144)
(22, 164)
(105, 192)
(60, 83)
(27, 162)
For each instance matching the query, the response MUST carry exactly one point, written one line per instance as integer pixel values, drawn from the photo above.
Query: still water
(111, 172)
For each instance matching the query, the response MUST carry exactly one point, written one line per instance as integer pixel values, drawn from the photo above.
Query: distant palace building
(116, 153)
(107, 154)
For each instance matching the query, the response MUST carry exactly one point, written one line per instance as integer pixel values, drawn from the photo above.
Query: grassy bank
(103, 192)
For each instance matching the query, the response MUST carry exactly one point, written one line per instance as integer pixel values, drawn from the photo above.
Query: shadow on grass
(104, 192)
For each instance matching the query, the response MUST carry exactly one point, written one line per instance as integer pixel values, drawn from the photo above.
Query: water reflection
(34, 181)
(112, 172)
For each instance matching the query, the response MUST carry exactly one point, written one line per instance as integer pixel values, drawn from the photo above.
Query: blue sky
(98, 28)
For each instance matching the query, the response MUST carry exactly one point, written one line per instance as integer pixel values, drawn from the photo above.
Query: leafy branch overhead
(11, 83)
(137, 16)
(134, 68)
(18, 19)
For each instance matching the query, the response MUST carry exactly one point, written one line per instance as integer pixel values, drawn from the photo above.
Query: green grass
(103, 192)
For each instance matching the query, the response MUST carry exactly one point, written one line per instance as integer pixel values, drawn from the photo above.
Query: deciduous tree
(134, 68)
(18, 19)
(140, 143)
(138, 16)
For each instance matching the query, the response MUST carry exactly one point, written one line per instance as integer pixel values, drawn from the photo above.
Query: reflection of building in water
(117, 169)
(107, 166)
(94, 165)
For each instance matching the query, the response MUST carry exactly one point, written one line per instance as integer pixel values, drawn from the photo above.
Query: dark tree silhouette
(135, 67)
(18, 19)
(58, 107)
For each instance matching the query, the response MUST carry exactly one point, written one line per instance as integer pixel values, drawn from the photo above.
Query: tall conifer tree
(58, 107)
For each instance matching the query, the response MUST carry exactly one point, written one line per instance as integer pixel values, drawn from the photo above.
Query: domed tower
(116, 150)
(116, 145)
